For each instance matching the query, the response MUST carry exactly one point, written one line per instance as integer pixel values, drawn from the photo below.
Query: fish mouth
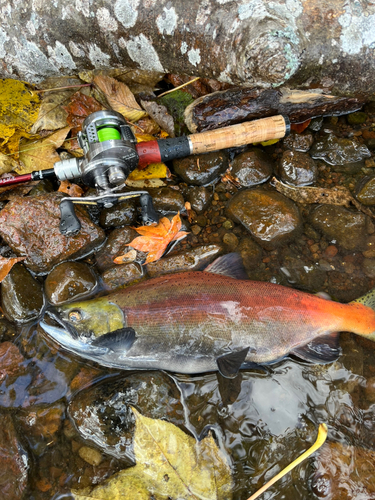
(52, 313)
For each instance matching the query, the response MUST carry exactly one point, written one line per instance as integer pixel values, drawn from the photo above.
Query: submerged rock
(21, 295)
(102, 413)
(297, 168)
(252, 167)
(271, 218)
(339, 151)
(116, 245)
(14, 462)
(299, 142)
(201, 169)
(341, 225)
(68, 280)
(365, 191)
(30, 226)
(190, 260)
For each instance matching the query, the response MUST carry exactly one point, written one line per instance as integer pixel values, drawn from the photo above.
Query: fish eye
(75, 316)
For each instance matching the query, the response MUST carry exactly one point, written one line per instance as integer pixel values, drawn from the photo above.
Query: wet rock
(357, 118)
(201, 169)
(40, 426)
(11, 362)
(90, 455)
(68, 280)
(231, 241)
(122, 214)
(191, 260)
(251, 253)
(252, 167)
(339, 151)
(365, 191)
(297, 168)
(21, 295)
(122, 275)
(116, 245)
(302, 273)
(14, 464)
(199, 197)
(341, 225)
(271, 218)
(299, 142)
(344, 472)
(369, 267)
(167, 199)
(102, 413)
(30, 226)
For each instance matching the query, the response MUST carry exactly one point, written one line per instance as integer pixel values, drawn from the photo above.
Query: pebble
(357, 118)
(252, 167)
(365, 191)
(201, 169)
(339, 151)
(231, 241)
(299, 142)
(297, 168)
(68, 280)
(330, 252)
(122, 275)
(116, 245)
(90, 455)
(199, 198)
(122, 214)
(167, 199)
(271, 218)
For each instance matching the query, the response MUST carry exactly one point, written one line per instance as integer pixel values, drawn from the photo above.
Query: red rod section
(16, 180)
(148, 152)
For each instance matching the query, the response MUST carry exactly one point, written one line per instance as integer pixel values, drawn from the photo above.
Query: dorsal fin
(229, 265)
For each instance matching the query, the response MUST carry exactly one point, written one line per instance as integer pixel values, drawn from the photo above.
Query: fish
(211, 320)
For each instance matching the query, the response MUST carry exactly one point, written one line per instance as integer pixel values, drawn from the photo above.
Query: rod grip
(273, 127)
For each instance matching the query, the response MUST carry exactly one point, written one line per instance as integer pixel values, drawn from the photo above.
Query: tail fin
(367, 300)
(367, 322)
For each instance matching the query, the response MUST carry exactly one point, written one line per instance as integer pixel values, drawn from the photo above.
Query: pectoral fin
(229, 364)
(323, 350)
(118, 340)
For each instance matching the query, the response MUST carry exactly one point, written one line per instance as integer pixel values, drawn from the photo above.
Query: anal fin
(324, 349)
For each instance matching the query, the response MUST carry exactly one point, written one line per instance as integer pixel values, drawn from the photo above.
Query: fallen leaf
(156, 238)
(146, 183)
(7, 264)
(126, 258)
(148, 125)
(52, 115)
(7, 164)
(120, 98)
(169, 464)
(300, 127)
(41, 154)
(70, 189)
(19, 106)
(152, 171)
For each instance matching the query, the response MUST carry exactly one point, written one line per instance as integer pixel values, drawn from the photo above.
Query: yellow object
(320, 440)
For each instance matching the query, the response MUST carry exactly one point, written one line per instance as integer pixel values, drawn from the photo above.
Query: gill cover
(97, 316)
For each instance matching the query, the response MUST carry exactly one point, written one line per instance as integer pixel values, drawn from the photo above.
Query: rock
(41, 425)
(299, 142)
(68, 280)
(11, 362)
(302, 273)
(116, 245)
(341, 225)
(167, 199)
(90, 455)
(122, 214)
(357, 118)
(30, 226)
(14, 462)
(339, 151)
(271, 218)
(199, 198)
(102, 413)
(252, 167)
(190, 260)
(297, 168)
(251, 253)
(365, 191)
(369, 267)
(231, 241)
(21, 295)
(201, 169)
(121, 275)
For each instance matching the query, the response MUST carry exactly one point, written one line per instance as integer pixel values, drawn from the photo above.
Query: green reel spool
(108, 134)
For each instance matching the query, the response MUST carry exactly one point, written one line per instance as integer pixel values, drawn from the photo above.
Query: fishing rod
(111, 153)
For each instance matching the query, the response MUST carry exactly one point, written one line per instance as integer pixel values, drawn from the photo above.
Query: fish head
(91, 318)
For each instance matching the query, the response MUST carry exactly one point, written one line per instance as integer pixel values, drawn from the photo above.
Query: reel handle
(273, 127)
(69, 222)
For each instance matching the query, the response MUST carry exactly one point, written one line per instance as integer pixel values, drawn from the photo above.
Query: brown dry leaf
(70, 189)
(41, 154)
(126, 258)
(7, 164)
(120, 98)
(156, 238)
(7, 264)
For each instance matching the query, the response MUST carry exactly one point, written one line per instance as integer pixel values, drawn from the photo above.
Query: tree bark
(256, 43)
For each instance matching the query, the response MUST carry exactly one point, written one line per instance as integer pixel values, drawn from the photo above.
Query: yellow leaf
(41, 154)
(267, 143)
(144, 137)
(169, 464)
(152, 171)
(52, 116)
(120, 98)
(146, 183)
(19, 106)
(7, 164)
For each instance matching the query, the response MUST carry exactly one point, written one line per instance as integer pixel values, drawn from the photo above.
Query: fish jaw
(92, 317)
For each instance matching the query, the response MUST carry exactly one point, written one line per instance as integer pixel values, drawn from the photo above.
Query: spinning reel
(111, 153)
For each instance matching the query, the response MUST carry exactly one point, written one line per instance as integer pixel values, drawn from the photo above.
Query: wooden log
(257, 43)
(240, 104)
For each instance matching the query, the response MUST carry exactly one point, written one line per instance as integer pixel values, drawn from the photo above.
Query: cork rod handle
(274, 127)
